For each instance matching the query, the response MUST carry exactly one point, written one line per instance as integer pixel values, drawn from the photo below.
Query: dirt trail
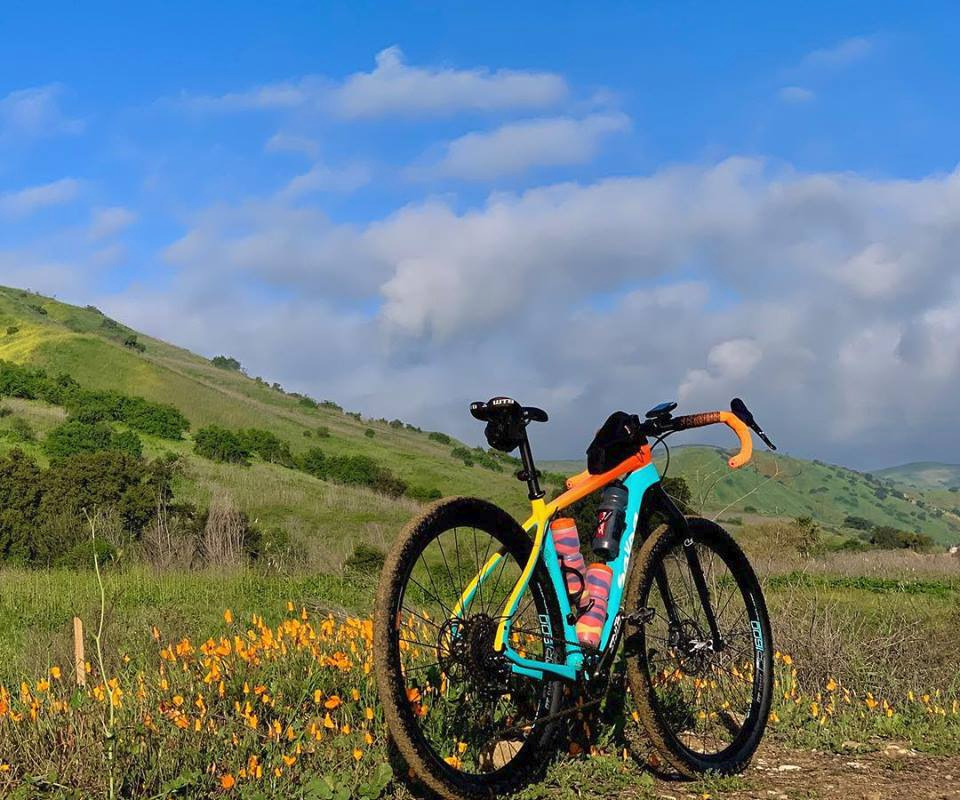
(780, 773)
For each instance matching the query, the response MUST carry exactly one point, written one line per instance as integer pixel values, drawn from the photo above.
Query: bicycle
(476, 649)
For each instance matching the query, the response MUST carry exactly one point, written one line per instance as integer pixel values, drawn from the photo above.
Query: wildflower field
(281, 702)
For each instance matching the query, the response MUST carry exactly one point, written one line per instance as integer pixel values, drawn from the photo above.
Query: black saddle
(506, 421)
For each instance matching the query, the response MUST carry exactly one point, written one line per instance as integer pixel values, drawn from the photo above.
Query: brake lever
(739, 408)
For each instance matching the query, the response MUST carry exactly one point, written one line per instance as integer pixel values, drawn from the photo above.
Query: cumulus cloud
(23, 202)
(518, 146)
(35, 112)
(831, 302)
(395, 88)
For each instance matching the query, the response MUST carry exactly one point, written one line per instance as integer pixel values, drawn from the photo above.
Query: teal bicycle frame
(637, 484)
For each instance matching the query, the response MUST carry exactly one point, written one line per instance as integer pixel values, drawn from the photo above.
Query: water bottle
(566, 541)
(591, 622)
(611, 522)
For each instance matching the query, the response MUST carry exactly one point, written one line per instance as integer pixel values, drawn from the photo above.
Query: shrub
(307, 402)
(80, 556)
(889, 538)
(436, 436)
(308, 434)
(330, 405)
(365, 560)
(424, 495)
(226, 362)
(12, 329)
(78, 437)
(857, 523)
(369, 433)
(5, 412)
(134, 343)
(269, 447)
(352, 471)
(396, 424)
(220, 444)
(323, 432)
(314, 462)
(154, 419)
(21, 431)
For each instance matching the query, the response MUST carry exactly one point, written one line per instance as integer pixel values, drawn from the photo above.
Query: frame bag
(617, 440)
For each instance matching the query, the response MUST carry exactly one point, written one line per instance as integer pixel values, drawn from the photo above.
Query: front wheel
(467, 724)
(702, 692)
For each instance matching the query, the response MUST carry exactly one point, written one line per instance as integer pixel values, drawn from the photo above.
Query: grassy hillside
(90, 347)
(923, 475)
(780, 486)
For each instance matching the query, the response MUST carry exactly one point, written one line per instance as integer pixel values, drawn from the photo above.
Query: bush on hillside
(226, 362)
(356, 470)
(154, 419)
(78, 437)
(267, 445)
(323, 432)
(889, 538)
(436, 436)
(12, 329)
(369, 433)
(424, 495)
(43, 512)
(21, 431)
(134, 343)
(857, 523)
(220, 444)
(365, 560)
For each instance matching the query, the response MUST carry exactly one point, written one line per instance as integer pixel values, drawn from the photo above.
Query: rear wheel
(705, 708)
(465, 723)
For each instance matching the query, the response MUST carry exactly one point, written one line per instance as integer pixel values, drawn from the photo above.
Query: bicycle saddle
(502, 408)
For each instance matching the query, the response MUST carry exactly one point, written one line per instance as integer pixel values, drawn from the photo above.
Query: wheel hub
(466, 651)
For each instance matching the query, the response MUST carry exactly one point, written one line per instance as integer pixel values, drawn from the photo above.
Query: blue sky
(351, 197)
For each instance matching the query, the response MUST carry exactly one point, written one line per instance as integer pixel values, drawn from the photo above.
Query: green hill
(102, 354)
(923, 475)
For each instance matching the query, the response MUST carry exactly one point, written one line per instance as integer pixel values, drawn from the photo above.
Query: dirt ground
(779, 773)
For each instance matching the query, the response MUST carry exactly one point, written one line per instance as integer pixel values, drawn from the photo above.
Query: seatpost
(529, 471)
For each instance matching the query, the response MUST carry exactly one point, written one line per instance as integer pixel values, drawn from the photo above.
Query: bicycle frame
(641, 474)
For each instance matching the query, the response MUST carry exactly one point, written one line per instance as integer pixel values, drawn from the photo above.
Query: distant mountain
(923, 475)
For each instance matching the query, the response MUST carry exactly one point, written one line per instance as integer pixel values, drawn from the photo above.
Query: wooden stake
(79, 660)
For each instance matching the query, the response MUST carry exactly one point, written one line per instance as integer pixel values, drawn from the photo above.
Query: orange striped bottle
(590, 625)
(566, 541)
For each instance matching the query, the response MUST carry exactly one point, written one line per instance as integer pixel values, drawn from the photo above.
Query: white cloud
(518, 146)
(844, 52)
(395, 88)
(23, 202)
(35, 112)
(321, 178)
(830, 302)
(796, 94)
(291, 143)
(106, 222)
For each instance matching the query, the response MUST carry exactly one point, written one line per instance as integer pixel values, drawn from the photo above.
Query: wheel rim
(707, 700)
(474, 715)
